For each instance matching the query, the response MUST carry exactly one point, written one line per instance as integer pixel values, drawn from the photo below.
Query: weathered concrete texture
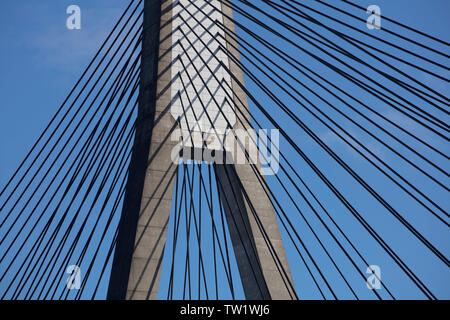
(124, 250)
(241, 234)
(157, 192)
(201, 85)
(148, 199)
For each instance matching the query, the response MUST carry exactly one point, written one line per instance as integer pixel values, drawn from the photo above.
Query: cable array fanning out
(361, 176)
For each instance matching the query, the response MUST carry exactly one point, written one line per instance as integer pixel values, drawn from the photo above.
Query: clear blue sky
(40, 60)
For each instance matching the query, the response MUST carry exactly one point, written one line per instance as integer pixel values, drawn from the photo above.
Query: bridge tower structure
(183, 39)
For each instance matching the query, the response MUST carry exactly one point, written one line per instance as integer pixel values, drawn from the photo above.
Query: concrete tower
(178, 40)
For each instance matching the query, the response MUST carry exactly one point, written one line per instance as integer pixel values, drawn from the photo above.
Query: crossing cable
(220, 83)
(89, 140)
(195, 116)
(200, 195)
(51, 218)
(70, 94)
(73, 131)
(141, 235)
(106, 230)
(140, 215)
(345, 202)
(72, 134)
(365, 185)
(211, 211)
(283, 185)
(227, 94)
(399, 110)
(184, 112)
(119, 199)
(280, 268)
(65, 177)
(124, 159)
(70, 152)
(271, 47)
(122, 164)
(128, 139)
(337, 193)
(176, 224)
(294, 185)
(32, 259)
(440, 184)
(350, 135)
(187, 270)
(186, 228)
(184, 67)
(204, 110)
(352, 210)
(192, 205)
(68, 110)
(214, 232)
(280, 52)
(61, 167)
(285, 57)
(361, 181)
(82, 227)
(437, 122)
(266, 67)
(191, 210)
(116, 205)
(114, 241)
(222, 218)
(27, 272)
(200, 233)
(351, 40)
(348, 54)
(209, 119)
(53, 237)
(362, 85)
(210, 204)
